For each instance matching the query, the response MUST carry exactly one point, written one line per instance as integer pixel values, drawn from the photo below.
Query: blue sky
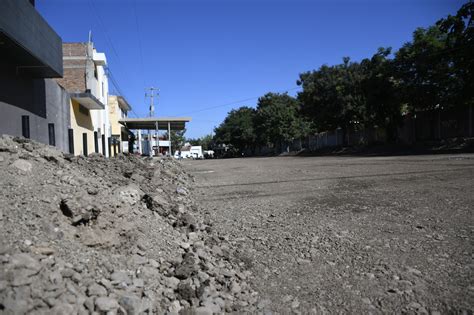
(205, 54)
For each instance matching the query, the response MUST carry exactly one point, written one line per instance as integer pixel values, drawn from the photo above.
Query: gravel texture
(109, 236)
(348, 234)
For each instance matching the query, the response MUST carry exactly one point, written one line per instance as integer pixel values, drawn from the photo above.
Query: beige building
(122, 138)
(85, 79)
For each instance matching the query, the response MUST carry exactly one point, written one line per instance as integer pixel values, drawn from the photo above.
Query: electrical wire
(234, 103)
(139, 40)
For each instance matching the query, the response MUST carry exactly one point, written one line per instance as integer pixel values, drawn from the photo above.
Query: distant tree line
(434, 69)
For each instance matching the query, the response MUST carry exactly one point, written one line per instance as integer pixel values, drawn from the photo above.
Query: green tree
(333, 97)
(423, 71)
(194, 141)
(177, 139)
(277, 119)
(459, 53)
(382, 105)
(237, 129)
(205, 141)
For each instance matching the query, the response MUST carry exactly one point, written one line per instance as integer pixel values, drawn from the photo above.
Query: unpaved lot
(348, 234)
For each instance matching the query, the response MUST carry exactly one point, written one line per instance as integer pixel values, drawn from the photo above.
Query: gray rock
(186, 292)
(235, 288)
(204, 310)
(172, 282)
(120, 276)
(21, 280)
(130, 194)
(62, 308)
(139, 283)
(81, 208)
(181, 191)
(193, 236)
(24, 260)
(22, 165)
(106, 304)
(174, 307)
(96, 290)
(184, 271)
(132, 304)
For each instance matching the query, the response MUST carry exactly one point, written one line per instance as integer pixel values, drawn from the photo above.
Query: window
(52, 136)
(25, 126)
(84, 144)
(96, 142)
(70, 133)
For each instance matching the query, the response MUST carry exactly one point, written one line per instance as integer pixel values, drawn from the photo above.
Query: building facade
(31, 102)
(85, 79)
(121, 138)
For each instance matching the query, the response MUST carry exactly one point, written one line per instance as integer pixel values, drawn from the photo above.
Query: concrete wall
(82, 123)
(20, 21)
(114, 115)
(56, 111)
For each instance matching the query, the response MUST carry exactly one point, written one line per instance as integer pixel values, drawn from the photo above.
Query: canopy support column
(157, 141)
(169, 138)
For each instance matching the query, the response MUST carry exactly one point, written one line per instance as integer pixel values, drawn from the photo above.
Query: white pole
(169, 138)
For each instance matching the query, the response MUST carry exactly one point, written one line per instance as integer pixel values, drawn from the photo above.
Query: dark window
(52, 136)
(103, 144)
(25, 126)
(84, 144)
(96, 142)
(83, 110)
(71, 140)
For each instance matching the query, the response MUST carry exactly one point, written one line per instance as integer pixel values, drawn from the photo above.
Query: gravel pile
(117, 236)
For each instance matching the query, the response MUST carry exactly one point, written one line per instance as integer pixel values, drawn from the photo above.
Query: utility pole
(152, 95)
(152, 114)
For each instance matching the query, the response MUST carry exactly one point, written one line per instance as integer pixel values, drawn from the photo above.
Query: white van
(195, 152)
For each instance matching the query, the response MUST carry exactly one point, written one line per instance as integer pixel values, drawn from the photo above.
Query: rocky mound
(118, 236)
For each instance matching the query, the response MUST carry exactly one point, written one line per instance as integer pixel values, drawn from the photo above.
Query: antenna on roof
(90, 36)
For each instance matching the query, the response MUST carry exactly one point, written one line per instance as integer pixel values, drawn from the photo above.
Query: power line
(234, 103)
(109, 43)
(139, 40)
(117, 87)
(102, 25)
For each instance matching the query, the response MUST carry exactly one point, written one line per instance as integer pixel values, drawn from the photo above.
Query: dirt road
(348, 234)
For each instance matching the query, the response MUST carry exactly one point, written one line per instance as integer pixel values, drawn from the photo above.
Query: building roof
(123, 104)
(150, 123)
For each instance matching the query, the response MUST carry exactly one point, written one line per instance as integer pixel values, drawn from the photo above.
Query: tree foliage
(205, 142)
(332, 95)
(238, 129)
(277, 119)
(433, 70)
(436, 67)
(177, 138)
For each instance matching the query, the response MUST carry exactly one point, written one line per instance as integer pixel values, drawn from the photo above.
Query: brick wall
(74, 49)
(74, 80)
(75, 63)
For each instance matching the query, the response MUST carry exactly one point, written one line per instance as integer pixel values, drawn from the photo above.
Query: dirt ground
(348, 234)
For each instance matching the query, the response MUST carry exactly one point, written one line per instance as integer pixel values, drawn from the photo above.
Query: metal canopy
(174, 123)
